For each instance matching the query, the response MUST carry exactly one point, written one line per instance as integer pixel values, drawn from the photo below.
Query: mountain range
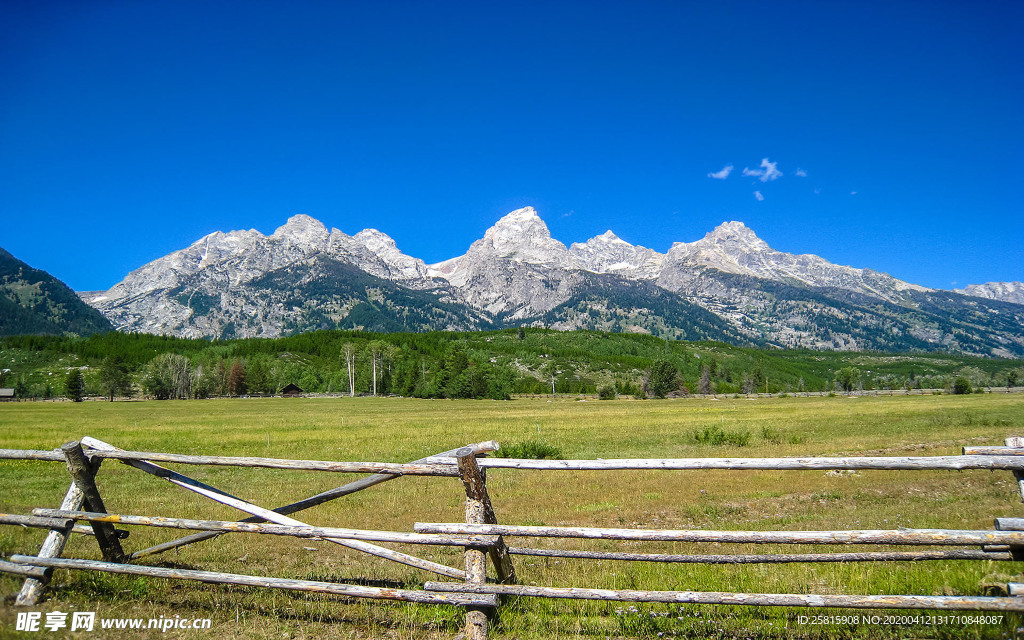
(729, 285)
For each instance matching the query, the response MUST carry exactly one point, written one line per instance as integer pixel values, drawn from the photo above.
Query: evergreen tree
(257, 375)
(115, 377)
(75, 385)
(21, 388)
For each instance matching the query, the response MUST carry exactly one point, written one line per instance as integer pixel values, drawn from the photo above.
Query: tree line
(493, 364)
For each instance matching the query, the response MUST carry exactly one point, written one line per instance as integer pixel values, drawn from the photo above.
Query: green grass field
(400, 430)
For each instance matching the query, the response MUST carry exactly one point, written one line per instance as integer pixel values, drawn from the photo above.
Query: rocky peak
(398, 266)
(522, 236)
(522, 226)
(608, 253)
(376, 241)
(302, 230)
(607, 238)
(734, 235)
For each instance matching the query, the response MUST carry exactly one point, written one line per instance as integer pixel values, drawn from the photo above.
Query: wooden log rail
(447, 467)
(223, 526)
(334, 588)
(35, 521)
(952, 603)
(767, 558)
(853, 463)
(959, 537)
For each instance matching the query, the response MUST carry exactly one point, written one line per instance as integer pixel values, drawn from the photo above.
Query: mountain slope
(34, 302)
(601, 302)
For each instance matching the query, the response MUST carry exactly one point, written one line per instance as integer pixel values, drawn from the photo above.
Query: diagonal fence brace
(83, 474)
(224, 498)
(52, 547)
(307, 503)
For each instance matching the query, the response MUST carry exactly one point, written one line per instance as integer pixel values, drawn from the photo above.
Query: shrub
(663, 378)
(714, 436)
(530, 450)
(961, 385)
(771, 435)
(606, 393)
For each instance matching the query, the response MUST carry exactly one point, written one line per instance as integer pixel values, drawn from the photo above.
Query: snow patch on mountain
(608, 253)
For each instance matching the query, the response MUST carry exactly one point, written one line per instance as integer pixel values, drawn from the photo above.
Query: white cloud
(723, 174)
(760, 198)
(766, 173)
(801, 173)
(853, 193)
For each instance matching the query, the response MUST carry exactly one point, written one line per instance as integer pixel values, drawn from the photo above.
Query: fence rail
(481, 536)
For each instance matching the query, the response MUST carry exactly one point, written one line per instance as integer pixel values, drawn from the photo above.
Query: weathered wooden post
(1014, 524)
(480, 511)
(84, 476)
(1017, 443)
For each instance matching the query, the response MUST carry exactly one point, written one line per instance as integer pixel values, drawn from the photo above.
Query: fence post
(477, 507)
(1017, 442)
(475, 481)
(84, 476)
(52, 547)
(1017, 553)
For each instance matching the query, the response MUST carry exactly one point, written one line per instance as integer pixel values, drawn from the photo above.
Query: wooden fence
(482, 536)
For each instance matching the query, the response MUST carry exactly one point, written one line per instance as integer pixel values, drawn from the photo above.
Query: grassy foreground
(405, 429)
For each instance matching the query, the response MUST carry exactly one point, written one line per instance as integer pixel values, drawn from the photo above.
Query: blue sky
(130, 129)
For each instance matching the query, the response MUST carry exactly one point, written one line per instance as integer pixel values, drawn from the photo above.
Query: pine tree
(115, 377)
(75, 385)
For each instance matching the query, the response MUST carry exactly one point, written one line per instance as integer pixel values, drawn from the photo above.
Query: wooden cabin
(291, 391)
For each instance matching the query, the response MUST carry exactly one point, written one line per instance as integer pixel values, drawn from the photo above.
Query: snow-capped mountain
(211, 287)
(728, 285)
(516, 271)
(733, 248)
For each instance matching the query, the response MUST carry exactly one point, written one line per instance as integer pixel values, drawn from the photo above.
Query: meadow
(399, 430)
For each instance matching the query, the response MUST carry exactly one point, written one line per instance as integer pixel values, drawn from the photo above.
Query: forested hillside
(33, 301)
(492, 364)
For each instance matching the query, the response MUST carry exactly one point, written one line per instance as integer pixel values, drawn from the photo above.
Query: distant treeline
(492, 364)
